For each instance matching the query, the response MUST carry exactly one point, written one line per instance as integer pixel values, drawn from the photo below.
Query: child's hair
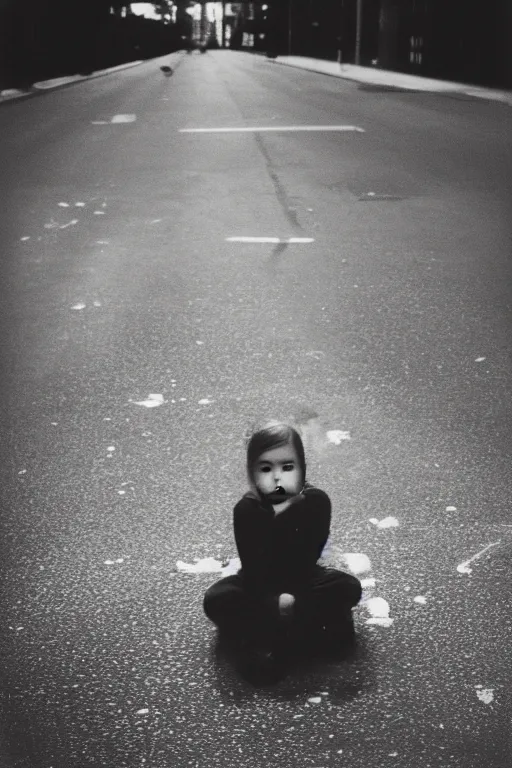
(273, 434)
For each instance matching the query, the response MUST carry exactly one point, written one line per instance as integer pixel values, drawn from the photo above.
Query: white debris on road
(80, 305)
(420, 599)
(211, 565)
(485, 694)
(153, 400)
(387, 522)
(378, 608)
(464, 567)
(356, 562)
(337, 435)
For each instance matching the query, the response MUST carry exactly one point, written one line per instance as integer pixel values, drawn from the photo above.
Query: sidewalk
(58, 82)
(393, 80)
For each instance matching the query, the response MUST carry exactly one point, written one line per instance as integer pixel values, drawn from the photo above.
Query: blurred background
(456, 40)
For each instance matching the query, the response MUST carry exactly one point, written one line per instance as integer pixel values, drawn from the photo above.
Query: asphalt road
(391, 325)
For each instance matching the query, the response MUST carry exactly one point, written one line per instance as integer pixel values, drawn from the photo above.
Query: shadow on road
(345, 672)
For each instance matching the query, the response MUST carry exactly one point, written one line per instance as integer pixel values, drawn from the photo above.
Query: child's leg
(327, 601)
(237, 613)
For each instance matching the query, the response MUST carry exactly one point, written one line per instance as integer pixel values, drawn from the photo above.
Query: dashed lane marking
(274, 128)
(243, 239)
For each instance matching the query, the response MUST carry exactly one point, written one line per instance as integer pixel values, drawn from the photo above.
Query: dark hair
(272, 435)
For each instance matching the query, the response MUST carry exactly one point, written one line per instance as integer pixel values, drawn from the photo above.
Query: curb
(390, 80)
(10, 94)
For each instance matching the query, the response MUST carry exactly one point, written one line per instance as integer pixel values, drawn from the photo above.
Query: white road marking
(463, 567)
(123, 119)
(99, 213)
(267, 128)
(26, 237)
(420, 599)
(69, 224)
(63, 205)
(250, 239)
(80, 305)
(99, 122)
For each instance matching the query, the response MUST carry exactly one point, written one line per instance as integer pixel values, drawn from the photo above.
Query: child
(281, 526)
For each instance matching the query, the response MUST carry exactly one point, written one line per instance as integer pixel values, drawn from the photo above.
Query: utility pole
(358, 31)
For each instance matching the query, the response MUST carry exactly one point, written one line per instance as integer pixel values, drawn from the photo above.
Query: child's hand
(280, 507)
(286, 603)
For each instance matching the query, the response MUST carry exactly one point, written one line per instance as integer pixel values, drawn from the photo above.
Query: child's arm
(253, 534)
(307, 523)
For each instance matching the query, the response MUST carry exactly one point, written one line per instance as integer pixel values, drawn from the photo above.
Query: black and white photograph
(256, 384)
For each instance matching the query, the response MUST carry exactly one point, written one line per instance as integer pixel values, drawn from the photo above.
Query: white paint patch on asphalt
(79, 305)
(336, 436)
(464, 567)
(315, 699)
(152, 401)
(479, 359)
(420, 599)
(378, 608)
(79, 205)
(99, 122)
(69, 224)
(99, 213)
(63, 205)
(51, 224)
(386, 522)
(206, 565)
(263, 239)
(267, 128)
(26, 237)
(485, 694)
(123, 119)
(357, 562)
(451, 509)
(205, 401)
(114, 562)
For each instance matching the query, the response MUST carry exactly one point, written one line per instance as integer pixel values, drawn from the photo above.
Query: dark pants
(323, 603)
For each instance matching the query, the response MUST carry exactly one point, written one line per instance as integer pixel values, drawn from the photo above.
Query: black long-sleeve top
(278, 552)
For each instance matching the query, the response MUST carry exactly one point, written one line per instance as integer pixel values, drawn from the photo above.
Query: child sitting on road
(281, 526)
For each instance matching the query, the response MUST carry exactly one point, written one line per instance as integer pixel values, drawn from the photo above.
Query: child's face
(278, 467)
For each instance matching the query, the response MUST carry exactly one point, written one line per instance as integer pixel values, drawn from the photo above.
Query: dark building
(464, 40)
